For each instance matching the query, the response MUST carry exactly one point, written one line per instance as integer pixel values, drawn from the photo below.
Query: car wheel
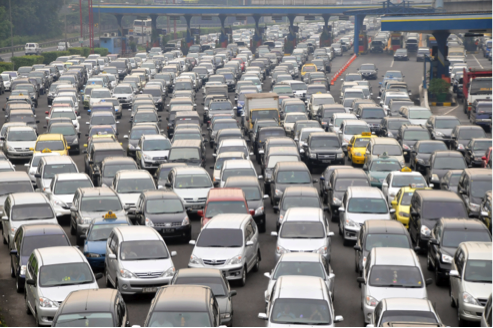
(429, 265)
(78, 240)
(438, 278)
(346, 242)
(257, 263)
(452, 302)
(243, 277)
(12, 272)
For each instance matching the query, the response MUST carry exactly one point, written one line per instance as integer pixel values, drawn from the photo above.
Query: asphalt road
(249, 301)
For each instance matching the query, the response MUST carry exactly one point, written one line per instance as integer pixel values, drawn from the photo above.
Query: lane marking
(392, 63)
(477, 61)
(449, 111)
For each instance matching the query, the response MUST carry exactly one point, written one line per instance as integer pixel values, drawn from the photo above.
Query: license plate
(326, 161)
(169, 230)
(149, 290)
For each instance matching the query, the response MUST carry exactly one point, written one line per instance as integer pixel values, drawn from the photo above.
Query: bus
(142, 27)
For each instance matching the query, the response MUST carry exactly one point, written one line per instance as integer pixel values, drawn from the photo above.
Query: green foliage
(439, 86)
(27, 61)
(5, 66)
(102, 51)
(50, 56)
(79, 51)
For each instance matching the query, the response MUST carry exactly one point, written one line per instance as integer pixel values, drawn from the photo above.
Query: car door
(414, 219)
(249, 250)
(17, 247)
(32, 273)
(5, 219)
(455, 282)
(342, 214)
(112, 264)
(74, 210)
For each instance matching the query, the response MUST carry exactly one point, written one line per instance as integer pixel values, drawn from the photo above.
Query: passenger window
(248, 232)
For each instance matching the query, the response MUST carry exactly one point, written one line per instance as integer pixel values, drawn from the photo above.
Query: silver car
(152, 151)
(351, 128)
(304, 229)
(300, 301)
(412, 311)
(33, 164)
(129, 184)
(19, 142)
(192, 184)
(228, 242)
(301, 264)
(4, 128)
(49, 166)
(391, 272)
(137, 260)
(470, 280)
(62, 190)
(53, 273)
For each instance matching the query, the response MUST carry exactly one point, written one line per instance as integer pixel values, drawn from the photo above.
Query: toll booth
(363, 41)
(115, 45)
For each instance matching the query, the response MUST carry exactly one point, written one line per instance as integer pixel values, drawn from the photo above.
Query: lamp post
(11, 35)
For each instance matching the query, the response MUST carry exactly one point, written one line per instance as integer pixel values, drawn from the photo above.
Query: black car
(462, 134)
(322, 149)
(441, 162)
(427, 207)
(408, 135)
(475, 150)
(473, 185)
(177, 305)
(287, 174)
(421, 153)
(368, 71)
(97, 154)
(441, 127)
(401, 54)
(27, 238)
(111, 165)
(263, 134)
(450, 181)
(214, 279)
(445, 239)
(103, 307)
(389, 126)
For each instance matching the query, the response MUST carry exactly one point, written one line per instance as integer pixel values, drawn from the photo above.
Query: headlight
(322, 250)
(474, 207)
(351, 223)
(186, 221)
(313, 155)
(469, 299)
(194, 260)
(281, 250)
(92, 255)
(235, 260)
(170, 272)
(47, 303)
(147, 157)
(371, 301)
(439, 134)
(341, 155)
(358, 154)
(425, 231)
(23, 270)
(149, 222)
(259, 210)
(84, 220)
(75, 141)
(225, 315)
(11, 148)
(59, 202)
(278, 193)
(404, 214)
(124, 273)
(336, 201)
(446, 258)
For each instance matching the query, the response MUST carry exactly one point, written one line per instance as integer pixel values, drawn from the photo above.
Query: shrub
(5, 66)
(27, 61)
(439, 86)
(50, 56)
(102, 51)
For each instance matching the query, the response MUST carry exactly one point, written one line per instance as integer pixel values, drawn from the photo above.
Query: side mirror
(216, 183)
(392, 211)
(31, 282)
(98, 275)
(433, 241)
(361, 280)
(112, 256)
(173, 253)
(232, 293)
(191, 242)
(273, 233)
(341, 209)
(454, 273)
(263, 316)
(37, 175)
(338, 318)
(357, 248)
(249, 243)
(428, 281)
(267, 275)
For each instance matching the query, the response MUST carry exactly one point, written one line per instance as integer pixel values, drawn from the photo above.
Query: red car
(487, 159)
(242, 63)
(223, 200)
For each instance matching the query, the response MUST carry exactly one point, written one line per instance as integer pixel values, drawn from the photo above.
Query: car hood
(21, 144)
(424, 157)
(217, 253)
(477, 289)
(93, 215)
(171, 217)
(364, 71)
(301, 244)
(380, 293)
(58, 294)
(362, 217)
(192, 193)
(98, 247)
(160, 265)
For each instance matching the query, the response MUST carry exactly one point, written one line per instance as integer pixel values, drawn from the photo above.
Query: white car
(233, 168)
(19, 142)
(221, 158)
(33, 164)
(129, 184)
(192, 185)
(233, 145)
(350, 128)
(64, 112)
(396, 180)
(64, 187)
(97, 94)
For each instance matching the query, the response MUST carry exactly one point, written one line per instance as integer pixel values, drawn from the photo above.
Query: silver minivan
(228, 242)
(137, 260)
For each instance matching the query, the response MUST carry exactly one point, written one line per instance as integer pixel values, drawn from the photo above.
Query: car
(403, 178)
(237, 167)
(293, 300)
(137, 131)
(475, 150)
(322, 149)
(470, 280)
(62, 189)
(62, 266)
(221, 159)
(422, 152)
(380, 146)
(378, 169)
(152, 150)
(215, 280)
(175, 305)
(462, 134)
(72, 137)
(350, 128)
(76, 308)
(415, 114)
(52, 142)
(441, 162)
(212, 248)
(357, 146)
(19, 142)
(190, 152)
(390, 125)
(286, 174)
(390, 272)
(222, 201)
(129, 184)
(51, 165)
(379, 233)
(368, 71)
(27, 238)
(413, 311)
(473, 185)
(401, 54)
(408, 135)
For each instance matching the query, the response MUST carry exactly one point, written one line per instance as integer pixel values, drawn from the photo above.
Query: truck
(476, 85)
(264, 105)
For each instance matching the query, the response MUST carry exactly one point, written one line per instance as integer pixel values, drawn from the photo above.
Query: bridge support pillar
(441, 70)
(223, 37)
(155, 34)
(189, 37)
(119, 23)
(358, 24)
(257, 37)
(326, 36)
(290, 41)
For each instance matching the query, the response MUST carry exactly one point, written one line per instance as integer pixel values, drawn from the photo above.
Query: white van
(32, 49)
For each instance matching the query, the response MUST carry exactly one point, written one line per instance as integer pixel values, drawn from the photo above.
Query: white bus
(142, 27)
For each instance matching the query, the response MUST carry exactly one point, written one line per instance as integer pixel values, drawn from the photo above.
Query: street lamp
(11, 35)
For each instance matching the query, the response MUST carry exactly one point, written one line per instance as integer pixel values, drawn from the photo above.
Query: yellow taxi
(67, 65)
(51, 143)
(357, 147)
(402, 203)
(308, 68)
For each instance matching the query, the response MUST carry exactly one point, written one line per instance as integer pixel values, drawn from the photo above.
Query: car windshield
(51, 170)
(66, 130)
(68, 114)
(391, 150)
(429, 148)
(220, 238)
(356, 129)
(386, 240)
(482, 145)
(409, 317)
(293, 177)
(144, 117)
(239, 172)
(65, 274)
(433, 210)
(384, 166)
(137, 133)
(31, 212)
(325, 143)
(289, 202)
(134, 185)
(122, 90)
(452, 238)
(192, 181)
(220, 105)
(183, 154)
(227, 149)
(265, 133)
(164, 206)
(100, 94)
(343, 184)
(393, 75)
(142, 250)
(218, 125)
(30, 243)
(478, 271)
(302, 230)
(468, 134)
(300, 311)
(372, 113)
(155, 145)
(416, 135)
(294, 118)
(69, 187)
(99, 156)
(24, 135)
(369, 67)
(101, 232)
(361, 142)
(299, 268)
(298, 86)
(103, 120)
(404, 180)
(480, 187)
(100, 204)
(251, 193)
(450, 163)
(396, 276)
(96, 319)
(15, 186)
(367, 205)
(220, 207)
(179, 319)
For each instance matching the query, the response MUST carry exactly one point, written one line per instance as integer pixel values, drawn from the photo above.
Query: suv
(323, 149)
(32, 49)
(473, 185)
(287, 174)
(227, 234)
(223, 201)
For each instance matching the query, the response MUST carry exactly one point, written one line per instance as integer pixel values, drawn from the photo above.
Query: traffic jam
(225, 187)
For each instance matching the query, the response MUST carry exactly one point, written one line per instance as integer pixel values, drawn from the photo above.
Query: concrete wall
(463, 6)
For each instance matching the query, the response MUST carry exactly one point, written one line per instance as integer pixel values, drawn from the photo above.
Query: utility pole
(11, 35)
(65, 23)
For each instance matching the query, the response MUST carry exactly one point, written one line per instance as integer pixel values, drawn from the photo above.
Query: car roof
(60, 255)
(462, 224)
(300, 257)
(57, 160)
(350, 173)
(385, 141)
(217, 194)
(297, 166)
(227, 221)
(447, 153)
(304, 214)
(479, 173)
(118, 160)
(21, 198)
(385, 227)
(89, 300)
(408, 304)
(71, 176)
(307, 287)
(189, 170)
(182, 298)
(240, 181)
(237, 163)
(477, 250)
(198, 272)
(160, 194)
(50, 136)
(393, 256)
(97, 191)
(133, 174)
(186, 144)
(42, 229)
(301, 191)
(131, 233)
(366, 192)
(14, 176)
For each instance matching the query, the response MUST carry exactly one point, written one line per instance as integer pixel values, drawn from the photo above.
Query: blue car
(97, 235)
